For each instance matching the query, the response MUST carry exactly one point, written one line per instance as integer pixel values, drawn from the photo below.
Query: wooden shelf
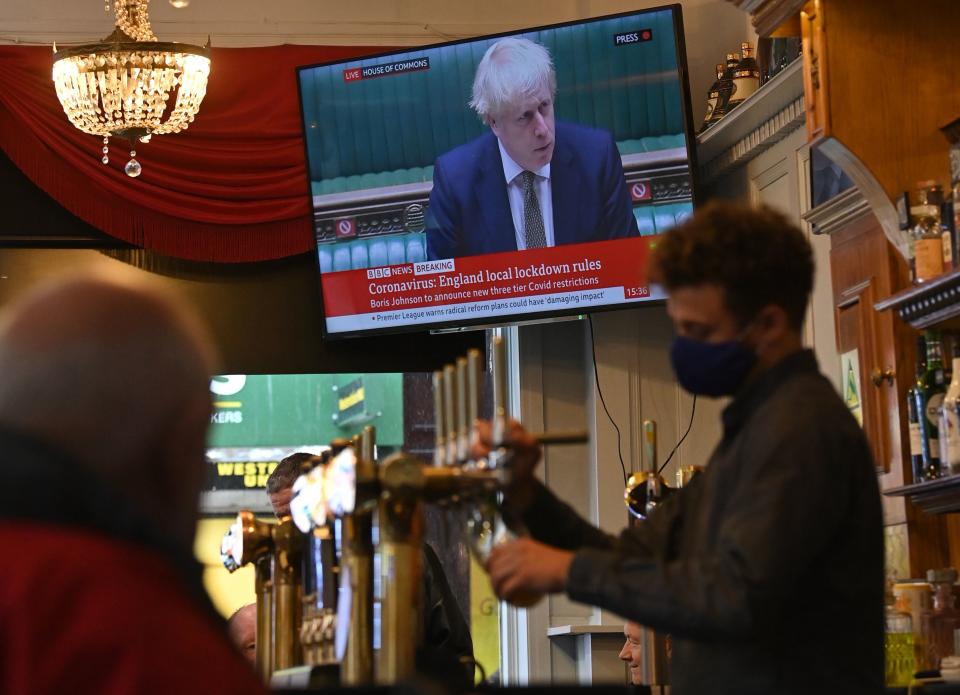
(934, 496)
(765, 117)
(933, 303)
(574, 630)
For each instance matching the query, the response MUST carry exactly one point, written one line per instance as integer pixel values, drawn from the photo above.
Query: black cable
(596, 378)
(693, 411)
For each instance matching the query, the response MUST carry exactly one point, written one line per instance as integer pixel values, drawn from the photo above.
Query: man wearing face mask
(767, 570)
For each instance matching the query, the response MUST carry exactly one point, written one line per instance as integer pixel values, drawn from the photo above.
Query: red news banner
(559, 278)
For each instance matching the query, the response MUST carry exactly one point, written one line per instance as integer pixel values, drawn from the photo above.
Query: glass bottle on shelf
(899, 653)
(905, 225)
(715, 106)
(955, 204)
(950, 419)
(929, 393)
(948, 235)
(918, 457)
(938, 622)
(746, 75)
(926, 232)
(726, 83)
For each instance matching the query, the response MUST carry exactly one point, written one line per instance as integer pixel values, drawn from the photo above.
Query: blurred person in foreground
(104, 408)
(767, 570)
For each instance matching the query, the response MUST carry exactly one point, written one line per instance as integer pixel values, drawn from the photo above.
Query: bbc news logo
(377, 273)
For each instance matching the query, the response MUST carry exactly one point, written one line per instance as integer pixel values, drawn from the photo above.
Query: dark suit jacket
(469, 211)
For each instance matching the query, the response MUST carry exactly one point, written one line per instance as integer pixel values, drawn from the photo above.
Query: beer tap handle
(649, 446)
(450, 412)
(440, 431)
(463, 422)
(368, 443)
(562, 437)
(501, 411)
(474, 387)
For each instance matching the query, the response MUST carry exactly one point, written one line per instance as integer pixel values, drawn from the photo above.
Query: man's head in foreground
(631, 652)
(280, 483)
(513, 93)
(242, 628)
(738, 281)
(114, 373)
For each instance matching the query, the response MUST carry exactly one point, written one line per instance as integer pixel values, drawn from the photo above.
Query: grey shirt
(767, 570)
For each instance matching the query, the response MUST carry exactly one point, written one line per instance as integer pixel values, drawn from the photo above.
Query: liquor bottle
(905, 225)
(948, 234)
(746, 76)
(955, 200)
(727, 86)
(715, 105)
(930, 391)
(926, 232)
(899, 649)
(950, 419)
(938, 622)
(919, 455)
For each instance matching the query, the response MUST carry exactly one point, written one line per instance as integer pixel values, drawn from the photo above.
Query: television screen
(260, 419)
(498, 179)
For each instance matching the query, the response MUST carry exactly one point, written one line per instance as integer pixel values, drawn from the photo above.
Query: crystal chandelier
(130, 85)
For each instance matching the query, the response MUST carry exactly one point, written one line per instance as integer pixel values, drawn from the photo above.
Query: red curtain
(233, 187)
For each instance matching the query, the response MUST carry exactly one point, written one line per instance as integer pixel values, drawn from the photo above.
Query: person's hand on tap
(525, 454)
(524, 568)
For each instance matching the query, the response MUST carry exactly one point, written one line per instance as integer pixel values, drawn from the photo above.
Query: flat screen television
(424, 215)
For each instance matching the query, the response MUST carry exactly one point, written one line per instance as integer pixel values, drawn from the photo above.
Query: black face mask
(711, 369)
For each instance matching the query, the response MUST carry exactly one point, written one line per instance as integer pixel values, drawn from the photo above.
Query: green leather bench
(389, 130)
(409, 248)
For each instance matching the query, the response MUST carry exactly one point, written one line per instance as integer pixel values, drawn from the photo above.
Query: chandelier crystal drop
(131, 85)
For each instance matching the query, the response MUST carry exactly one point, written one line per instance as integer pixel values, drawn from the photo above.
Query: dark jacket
(469, 211)
(93, 599)
(768, 568)
(447, 652)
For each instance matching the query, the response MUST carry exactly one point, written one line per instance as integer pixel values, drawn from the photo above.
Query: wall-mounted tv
(498, 179)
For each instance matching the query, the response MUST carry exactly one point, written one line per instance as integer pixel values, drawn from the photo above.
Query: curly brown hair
(756, 255)
(287, 472)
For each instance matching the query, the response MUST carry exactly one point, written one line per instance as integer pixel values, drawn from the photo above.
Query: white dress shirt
(511, 172)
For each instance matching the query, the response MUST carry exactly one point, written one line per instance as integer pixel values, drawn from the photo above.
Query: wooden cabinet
(879, 83)
(815, 79)
(935, 304)
(863, 272)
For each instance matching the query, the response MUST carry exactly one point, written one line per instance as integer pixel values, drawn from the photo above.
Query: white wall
(779, 178)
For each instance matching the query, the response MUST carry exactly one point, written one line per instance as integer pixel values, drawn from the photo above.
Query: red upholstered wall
(233, 187)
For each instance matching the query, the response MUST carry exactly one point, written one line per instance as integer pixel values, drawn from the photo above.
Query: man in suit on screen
(529, 181)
